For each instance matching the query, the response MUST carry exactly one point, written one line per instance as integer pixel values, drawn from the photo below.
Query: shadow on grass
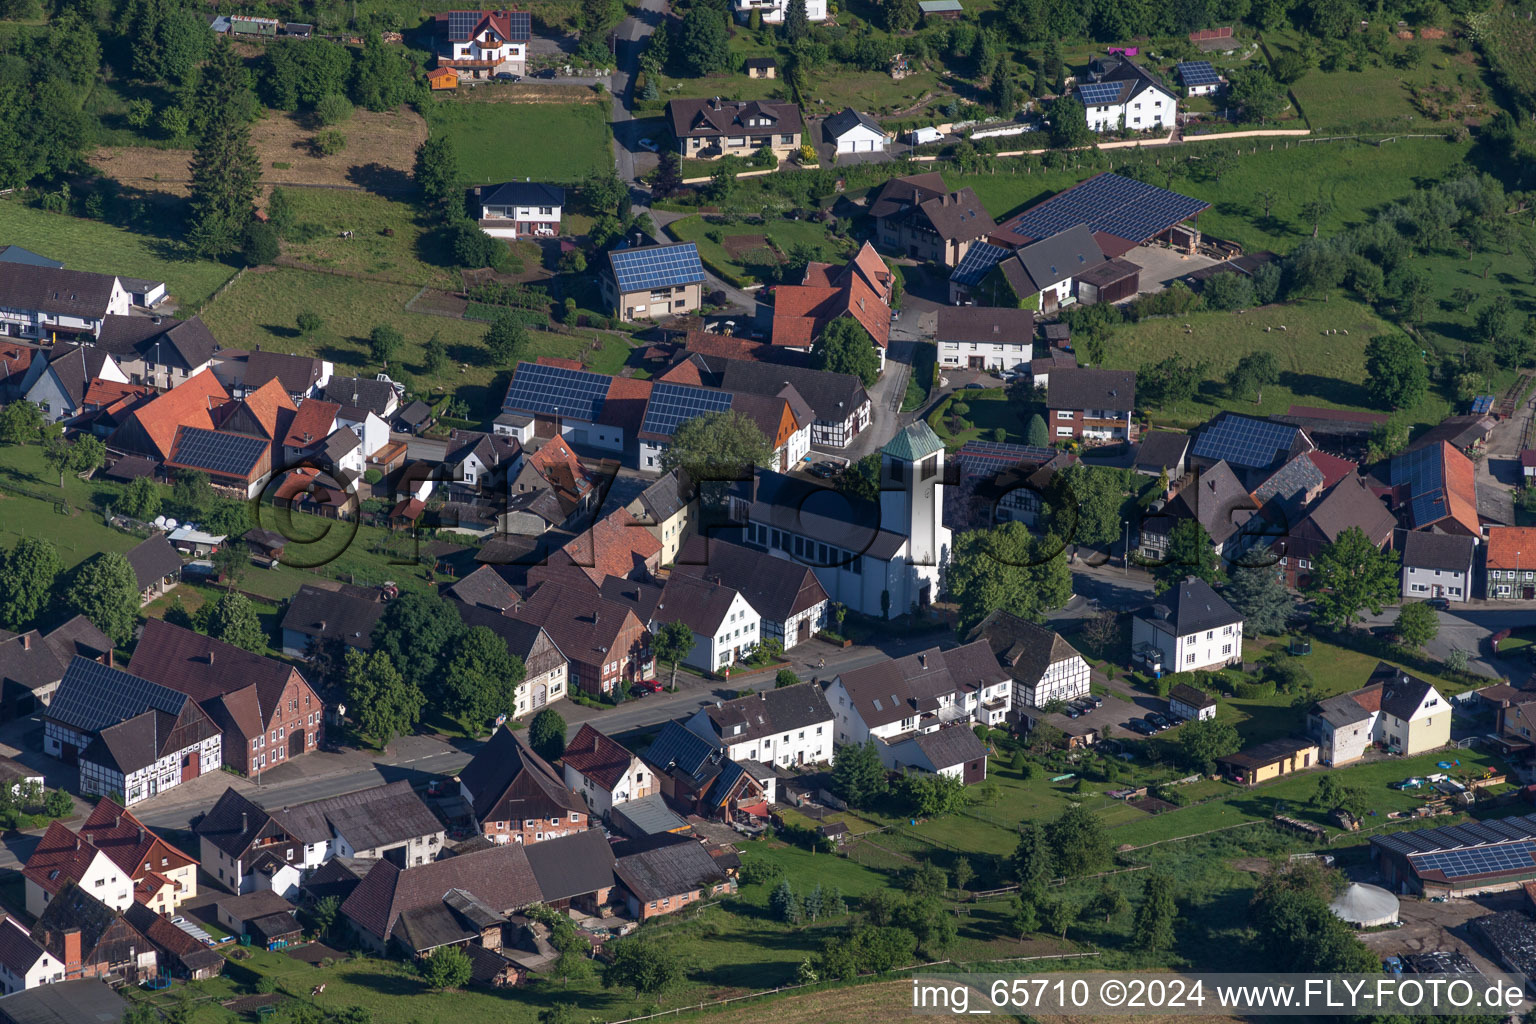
(1329, 389)
(381, 180)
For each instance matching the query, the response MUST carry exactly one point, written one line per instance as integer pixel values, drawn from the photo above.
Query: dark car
(975, 384)
(1157, 721)
(824, 470)
(507, 76)
(639, 691)
(1095, 700)
(1140, 725)
(1073, 713)
(1439, 604)
(546, 73)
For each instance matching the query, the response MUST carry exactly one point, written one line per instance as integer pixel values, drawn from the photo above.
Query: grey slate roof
(889, 691)
(1195, 698)
(1443, 551)
(950, 746)
(666, 871)
(699, 603)
(1055, 258)
(1026, 649)
(1217, 500)
(573, 865)
(16, 254)
(296, 374)
(845, 120)
(522, 193)
(1081, 388)
(64, 1002)
(484, 588)
(663, 499)
(831, 396)
(59, 292)
(1161, 449)
(367, 819)
(770, 712)
(154, 559)
(331, 615)
(988, 324)
(1191, 607)
(360, 392)
(776, 589)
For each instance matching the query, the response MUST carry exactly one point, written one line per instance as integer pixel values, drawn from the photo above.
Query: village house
(1127, 96)
(791, 725)
(516, 797)
(695, 776)
(604, 772)
(62, 858)
(1350, 504)
(862, 288)
(665, 510)
(664, 879)
(544, 666)
(985, 337)
(33, 663)
(151, 429)
(839, 405)
(1091, 404)
(574, 872)
(268, 712)
(317, 616)
(788, 599)
(1508, 560)
(519, 209)
(54, 304)
(653, 282)
(725, 627)
(179, 952)
(1044, 667)
(604, 643)
(23, 963)
(891, 701)
(482, 44)
(1438, 565)
(773, 11)
(1269, 760)
(1216, 500)
(1189, 703)
(919, 217)
(58, 384)
(249, 849)
(1188, 628)
(1394, 710)
(159, 351)
(92, 939)
(128, 735)
(709, 129)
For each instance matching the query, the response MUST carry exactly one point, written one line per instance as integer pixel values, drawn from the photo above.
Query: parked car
(1141, 726)
(653, 685)
(824, 470)
(1439, 604)
(546, 73)
(638, 690)
(647, 144)
(1158, 721)
(507, 76)
(1095, 700)
(975, 384)
(1073, 713)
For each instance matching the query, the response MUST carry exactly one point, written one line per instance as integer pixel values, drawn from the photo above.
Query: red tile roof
(59, 859)
(1512, 547)
(101, 393)
(599, 758)
(727, 345)
(685, 372)
(130, 844)
(312, 424)
(564, 364)
(859, 290)
(190, 404)
(1332, 467)
(1460, 488)
(625, 405)
(267, 404)
(617, 545)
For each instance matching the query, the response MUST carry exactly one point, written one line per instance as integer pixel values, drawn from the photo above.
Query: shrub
(328, 143)
(1254, 691)
(260, 246)
(333, 109)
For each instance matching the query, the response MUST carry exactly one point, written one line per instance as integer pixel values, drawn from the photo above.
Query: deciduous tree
(1007, 567)
(643, 964)
(482, 678)
(1395, 374)
(1190, 553)
(106, 591)
(845, 347)
(382, 701)
(672, 643)
(447, 967)
(705, 43)
(1079, 843)
(546, 734)
(437, 175)
(233, 620)
(1202, 742)
(1351, 574)
(1417, 624)
(27, 575)
(417, 632)
(506, 340)
(1252, 372)
(21, 422)
(717, 446)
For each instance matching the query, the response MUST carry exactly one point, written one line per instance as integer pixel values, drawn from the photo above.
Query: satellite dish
(170, 524)
(159, 520)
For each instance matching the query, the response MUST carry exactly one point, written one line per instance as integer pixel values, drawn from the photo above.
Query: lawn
(727, 249)
(94, 246)
(990, 410)
(261, 308)
(1315, 368)
(30, 507)
(1447, 86)
(497, 140)
(387, 240)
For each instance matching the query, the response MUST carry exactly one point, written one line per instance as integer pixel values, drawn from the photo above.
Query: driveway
(630, 39)
(1161, 266)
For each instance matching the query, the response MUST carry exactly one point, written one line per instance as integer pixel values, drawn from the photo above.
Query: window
(1063, 431)
(1063, 414)
(1226, 648)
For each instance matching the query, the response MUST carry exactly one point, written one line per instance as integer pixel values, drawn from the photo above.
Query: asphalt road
(1469, 627)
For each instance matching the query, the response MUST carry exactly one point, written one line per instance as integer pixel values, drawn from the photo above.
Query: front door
(191, 766)
(803, 631)
(296, 743)
(1049, 301)
(976, 362)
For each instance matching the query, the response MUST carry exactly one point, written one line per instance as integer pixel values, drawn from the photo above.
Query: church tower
(912, 493)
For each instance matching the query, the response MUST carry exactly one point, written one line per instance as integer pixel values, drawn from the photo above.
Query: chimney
(245, 822)
(210, 655)
(763, 695)
(26, 641)
(71, 948)
(922, 661)
(594, 741)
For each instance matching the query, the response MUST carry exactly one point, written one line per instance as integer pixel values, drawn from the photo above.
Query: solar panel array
(977, 262)
(1424, 473)
(1455, 837)
(1244, 442)
(1478, 860)
(1095, 93)
(461, 24)
(662, 266)
(671, 404)
(521, 26)
(1482, 404)
(1198, 72)
(1112, 204)
(556, 391)
(1004, 453)
(93, 696)
(217, 452)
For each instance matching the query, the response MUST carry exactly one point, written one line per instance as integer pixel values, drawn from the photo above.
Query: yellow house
(1270, 760)
(1394, 710)
(666, 513)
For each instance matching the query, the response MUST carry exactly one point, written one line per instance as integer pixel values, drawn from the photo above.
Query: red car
(654, 685)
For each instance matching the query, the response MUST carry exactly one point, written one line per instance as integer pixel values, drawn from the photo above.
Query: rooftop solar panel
(661, 266)
(461, 24)
(521, 25)
(556, 391)
(1112, 204)
(671, 404)
(1198, 72)
(999, 451)
(1245, 442)
(1458, 836)
(1098, 92)
(218, 452)
(978, 260)
(93, 696)
(1479, 860)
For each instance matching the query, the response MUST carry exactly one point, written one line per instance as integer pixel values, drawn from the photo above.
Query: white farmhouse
(1189, 628)
(788, 726)
(920, 693)
(1127, 97)
(53, 304)
(1043, 666)
(725, 627)
(985, 337)
(605, 772)
(773, 10)
(23, 963)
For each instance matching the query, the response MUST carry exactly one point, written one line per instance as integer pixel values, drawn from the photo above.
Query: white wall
(1004, 355)
(1426, 583)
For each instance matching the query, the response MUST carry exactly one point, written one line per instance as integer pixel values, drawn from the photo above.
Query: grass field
(1315, 368)
(104, 249)
(756, 264)
(552, 142)
(29, 493)
(261, 308)
(1445, 87)
(387, 240)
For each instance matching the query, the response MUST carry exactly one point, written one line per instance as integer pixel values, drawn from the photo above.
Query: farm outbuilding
(1365, 906)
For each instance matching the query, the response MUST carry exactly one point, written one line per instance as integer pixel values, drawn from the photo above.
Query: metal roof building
(1478, 856)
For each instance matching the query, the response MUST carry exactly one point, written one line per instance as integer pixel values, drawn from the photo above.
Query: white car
(647, 144)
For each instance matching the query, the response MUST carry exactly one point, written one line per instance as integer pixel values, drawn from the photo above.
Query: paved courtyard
(1161, 266)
